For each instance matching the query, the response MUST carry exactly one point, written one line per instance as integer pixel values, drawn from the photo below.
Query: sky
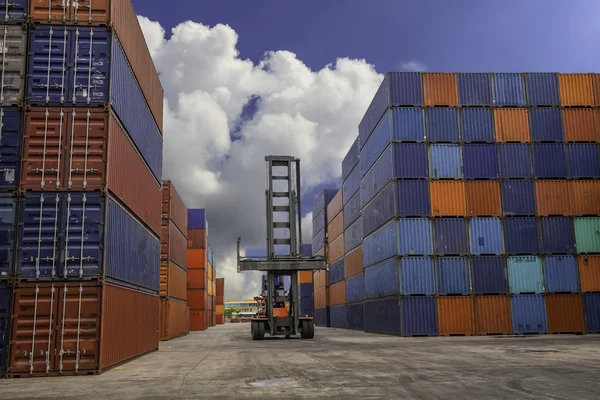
(244, 79)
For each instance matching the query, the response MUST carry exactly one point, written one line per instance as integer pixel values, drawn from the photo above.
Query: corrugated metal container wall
(172, 319)
(350, 160)
(419, 316)
(406, 89)
(596, 83)
(546, 124)
(321, 202)
(518, 198)
(335, 206)
(198, 319)
(515, 160)
(5, 317)
(336, 249)
(440, 89)
(509, 89)
(353, 262)
(591, 305)
(581, 125)
(525, 275)
(477, 125)
(383, 316)
(320, 297)
(417, 276)
(553, 197)
(15, 12)
(355, 316)
(353, 236)
(483, 198)
(560, 274)
(489, 275)
(319, 222)
(408, 124)
(565, 313)
(377, 143)
(521, 235)
(512, 125)
(576, 90)
(318, 241)
(589, 273)
(355, 290)
(8, 224)
(305, 289)
(414, 237)
(13, 59)
(351, 185)
(173, 245)
(351, 210)
(529, 314)
(453, 276)
(335, 227)
(587, 239)
(338, 316)
(412, 198)
(336, 271)
(480, 161)
(492, 315)
(456, 315)
(448, 198)
(450, 236)
(177, 282)
(196, 258)
(197, 279)
(173, 207)
(382, 280)
(10, 147)
(442, 124)
(558, 236)
(322, 316)
(586, 197)
(198, 299)
(542, 89)
(445, 161)
(380, 210)
(474, 89)
(305, 250)
(549, 160)
(378, 106)
(486, 236)
(583, 160)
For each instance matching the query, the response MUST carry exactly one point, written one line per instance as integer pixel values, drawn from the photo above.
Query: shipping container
(352, 210)
(353, 262)
(197, 279)
(318, 241)
(380, 245)
(456, 315)
(337, 294)
(13, 59)
(486, 236)
(549, 160)
(336, 271)
(589, 272)
(14, 11)
(383, 316)
(489, 275)
(480, 161)
(353, 236)
(521, 235)
(587, 238)
(412, 199)
(546, 124)
(306, 306)
(355, 289)
(198, 320)
(596, 83)
(453, 276)
(445, 161)
(581, 125)
(417, 276)
(355, 316)
(529, 314)
(320, 297)
(304, 289)
(173, 245)
(382, 280)
(515, 160)
(350, 186)
(442, 124)
(450, 236)
(305, 250)
(8, 224)
(565, 313)
(198, 299)
(419, 316)
(173, 207)
(542, 89)
(322, 317)
(319, 222)
(591, 309)
(448, 198)
(304, 277)
(518, 198)
(173, 281)
(560, 274)
(553, 197)
(477, 125)
(338, 316)
(586, 197)
(576, 90)
(320, 203)
(381, 209)
(525, 275)
(335, 206)
(196, 258)
(377, 143)
(512, 125)
(336, 226)
(583, 160)
(172, 319)
(10, 147)
(408, 124)
(492, 315)
(557, 235)
(336, 249)
(350, 160)
(197, 219)
(474, 89)
(414, 237)
(320, 279)
(220, 319)
(440, 89)
(509, 89)
(5, 317)
(483, 198)
(197, 239)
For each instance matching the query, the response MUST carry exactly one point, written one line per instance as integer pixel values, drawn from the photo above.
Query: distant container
(480, 161)
(336, 227)
(355, 291)
(323, 200)
(587, 238)
(353, 236)
(11, 132)
(335, 206)
(509, 89)
(576, 90)
(350, 160)
(15, 12)
(453, 275)
(477, 125)
(515, 160)
(8, 225)
(13, 58)
(351, 185)
(5, 316)
(591, 309)
(474, 89)
(319, 222)
(353, 262)
(197, 218)
(417, 276)
(549, 160)
(546, 124)
(456, 315)
(419, 316)
(542, 89)
(518, 198)
(554, 197)
(306, 305)
(382, 280)
(512, 125)
(596, 83)
(450, 236)
(383, 316)
(560, 274)
(440, 89)
(583, 160)
(336, 271)
(525, 275)
(322, 316)
(338, 316)
(581, 125)
(521, 235)
(589, 272)
(442, 124)
(489, 275)
(408, 124)
(355, 316)
(486, 236)
(173, 245)
(173, 207)
(565, 313)
(445, 161)
(558, 236)
(351, 210)
(483, 198)
(492, 315)
(529, 314)
(448, 198)
(586, 195)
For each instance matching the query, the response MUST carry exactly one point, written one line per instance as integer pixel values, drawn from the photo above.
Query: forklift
(284, 255)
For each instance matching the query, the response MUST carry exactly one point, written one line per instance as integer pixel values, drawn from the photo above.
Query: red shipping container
(586, 197)
(197, 320)
(173, 207)
(173, 314)
(187, 320)
(220, 319)
(321, 279)
(197, 279)
(196, 259)
(197, 299)
(565, 313)
(553, 197)
(483, 198)
(197, 238)
(173, 245)
(336, 249)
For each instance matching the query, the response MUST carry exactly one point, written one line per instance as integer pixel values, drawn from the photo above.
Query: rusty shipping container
(196, 259)
(353, 262)
(456, 315)
(321, 297)
(198, 299)
(173, 245)
(586, 197)
(336, 249)
(581, 124)
(120, 15)
(492, 315)
(336, 227)
(440, 89)
(512, 125)
(173, 281)
(78, 149)
(553, 197)
(589, 272)
(197, 239)
(576, 90)
(448, 198)
(220, 319)
(335, 206)
(197, 279)
(173, 207)
(483, 198)
(337, 294)
(197, 320)
(565, 313)
(173, 314)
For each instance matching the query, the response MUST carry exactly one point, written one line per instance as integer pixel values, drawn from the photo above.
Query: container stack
(306, 286)
(212, 289)
(336, 299)
(198, 283)
(220, 301)
(173, 264)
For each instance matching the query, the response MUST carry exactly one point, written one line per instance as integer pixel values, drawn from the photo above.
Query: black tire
(308, 329)
(311, 329)
(260, 335)
(254, 330)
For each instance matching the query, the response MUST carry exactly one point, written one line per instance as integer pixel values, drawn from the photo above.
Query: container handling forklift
(283, 214)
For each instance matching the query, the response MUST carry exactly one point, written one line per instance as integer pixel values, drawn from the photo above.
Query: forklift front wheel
(258, 330)
(308, 329)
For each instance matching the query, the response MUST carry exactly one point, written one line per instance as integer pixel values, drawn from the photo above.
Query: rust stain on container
(565, 313)
(173, 207)
(492, 315)
(198, 299)
(336, 227)
(553, 197)
(196, 259)
(305, 277)
(335, 206)
(321, 298)
(337, 294)
(512, 125)
(173, 315)
(581, 125)
(440, 89)
(576, 90)
(589, 273)
(483, 198)
(353, 262)
(196, 238)
(448, 198)
(336, 249)
(173, 245)
(456, 315)
(198, 320)
(197, 279)
(586, 197)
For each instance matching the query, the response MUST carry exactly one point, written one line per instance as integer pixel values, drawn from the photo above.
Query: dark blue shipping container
(546, 124)
(383, 316)
(351, 210)
(529, 314)
(306, 289)
(8, 223)
(319, 222)
(549, 160)
(450, 236)
(380, 210)
(509, 89)
(584, 160)
(377, 143)
(561, 274)
(518, 198)
(521, 235)
(419, 316)
(318, 241)
(306, 305)
(591, 312)
(445, 161)
(414, 237)
(474, 89)
(196, 218)
(381, 280)
(5, 314)
(351, 185)
(11, 131)
(380, 245)
(350, 160)
(480, 161)
(336, 271)
(13, 12)
(355, 316)
(412, 199)
(558, 235)
(408, 124)
(323, 200)
(542, 89)
(515, 160)
(477, 125)
(486, 236)
(306, 250)
(353, 236)
(442, 124)
(453, 276)
(417, 275)
(489, 275)
(321, 316)
(355, 289)
(338, 316)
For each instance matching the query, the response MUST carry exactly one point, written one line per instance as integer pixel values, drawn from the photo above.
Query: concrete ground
(224, 363)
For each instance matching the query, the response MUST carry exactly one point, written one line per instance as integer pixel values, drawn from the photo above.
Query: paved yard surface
(224, 363)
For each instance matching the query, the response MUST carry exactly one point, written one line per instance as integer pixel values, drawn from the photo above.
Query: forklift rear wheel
(308, 329)
(258, 330)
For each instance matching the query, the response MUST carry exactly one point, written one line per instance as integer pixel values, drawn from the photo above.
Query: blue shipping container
(515, 160)
(486, 236)
(408, 124)
(355, 289)
(529, 314)
(477, 125)
(350, 160)
(561, 274)
(318, 241)
(480, 161)
(542, 89)
(321, 316)
(380, 210)
(474, 89)
(8, 223)
(558, 235)
(381, 280)
(525, 275)
(453, 276)
(336, 271)
(5, 316)
(549, 160)
(377, 143)
(521, 235)
(351, 185)
(13, 12)
(414, 237)
(383, 316)
(338, 316)
(518, 198)
(412, 199)
(546, 124)
(417, 276)
(591, 312)
(319, 222)
(419, 316)
(305, 250)
(306, 306)
(442, 124)
(355, 316)
(584, 160)
(353, 236)
(450, 236)
(323, 200)
(489, 275)
(509, 89)
(197, 218)
(351, 210)
(445, 161)
(306, 289)
(11, 131)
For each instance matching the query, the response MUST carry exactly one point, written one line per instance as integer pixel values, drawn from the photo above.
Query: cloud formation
(413, 66)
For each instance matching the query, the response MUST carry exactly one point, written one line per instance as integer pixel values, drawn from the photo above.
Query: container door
(49, 11)
(90, 11)
(5, 312)
(12, 57)
(90, 63)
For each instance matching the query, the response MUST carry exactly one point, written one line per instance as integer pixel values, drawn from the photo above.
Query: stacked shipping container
(306, 286)
(220, 301)
(336, 298)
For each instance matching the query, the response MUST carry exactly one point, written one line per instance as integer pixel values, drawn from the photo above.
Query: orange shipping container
(321, 253)
(219, 300)
(456, 315)
(492, 315)
(305, 277)
(197, 299)
(172, 319)
(553, 197)
(565, 313)
(336, 249)
(197, 239)
(589, 273)
(448, 198)
(483, 198)
(173, 281)
(321, 279)
(353, 262)
(586, 197)
(440, 89)
(173, 245)
(198, 320)
(337, 294)
(336, 227)
(220, 319)
(321, 297)
(576, 90)
(512, 125)
(197, 279)
(219, 309)
(596, 83)
(335, 206)
(581, 125)
(173, 207)
(187, 320)
(196, 258)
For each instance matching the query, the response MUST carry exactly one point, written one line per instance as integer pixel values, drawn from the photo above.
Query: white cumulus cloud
(312, 115)
(413, 66)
